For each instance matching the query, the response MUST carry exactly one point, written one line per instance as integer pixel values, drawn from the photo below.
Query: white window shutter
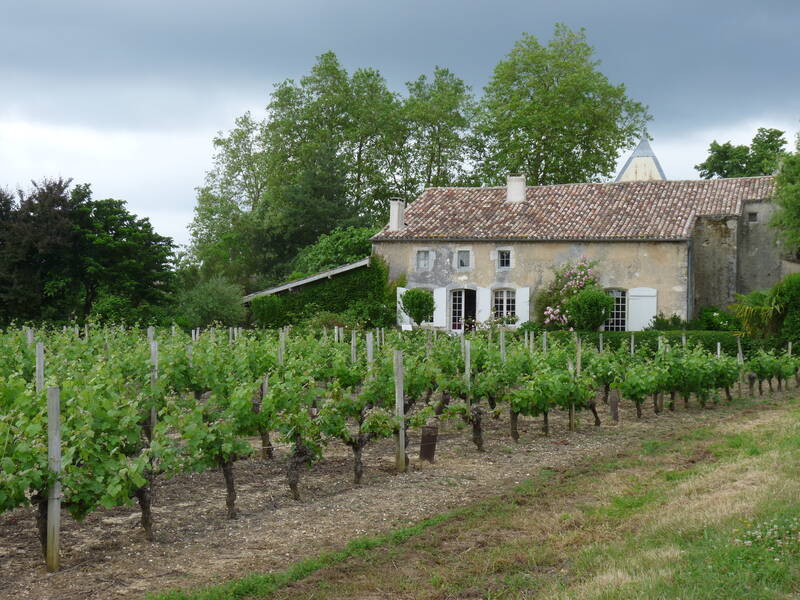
(523, 302)
(642, 307)
(440, 307)
(483, 304)
(403, 320)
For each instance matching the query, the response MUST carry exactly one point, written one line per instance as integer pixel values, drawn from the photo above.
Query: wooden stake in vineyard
(353, 346)
(39, 367)
(153, 383)
(54, 464)
(370, 351)
(281, 346)
(399, 408)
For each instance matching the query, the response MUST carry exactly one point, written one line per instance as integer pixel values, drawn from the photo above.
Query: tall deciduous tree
(787, 197)
(333, 149)
(549, 113)
(61, 252)
(438, 114)
(761, 157)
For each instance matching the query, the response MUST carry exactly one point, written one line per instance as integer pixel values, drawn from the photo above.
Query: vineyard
(140, 410)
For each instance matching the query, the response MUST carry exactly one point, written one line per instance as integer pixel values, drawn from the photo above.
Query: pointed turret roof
(646, 157)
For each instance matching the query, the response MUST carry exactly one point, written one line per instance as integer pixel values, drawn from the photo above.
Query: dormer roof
(642, 165)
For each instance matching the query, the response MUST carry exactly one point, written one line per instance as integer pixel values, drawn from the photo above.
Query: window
(617, 320)
(463, 259)
(752, 217)
(505, 303)
(423, 260)
(504, 259)
(457, 309)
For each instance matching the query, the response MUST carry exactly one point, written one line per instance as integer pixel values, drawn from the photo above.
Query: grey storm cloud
(149, 64)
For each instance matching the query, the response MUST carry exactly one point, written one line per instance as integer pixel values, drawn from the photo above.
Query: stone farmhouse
(661, 246)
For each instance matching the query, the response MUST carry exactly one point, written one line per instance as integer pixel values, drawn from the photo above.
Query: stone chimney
(397, 214)
(515, 188)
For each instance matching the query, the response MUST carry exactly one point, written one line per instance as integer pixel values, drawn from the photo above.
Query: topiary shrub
(589, 308)
(418, 304)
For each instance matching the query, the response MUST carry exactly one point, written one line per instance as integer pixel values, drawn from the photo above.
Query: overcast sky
(128, 96)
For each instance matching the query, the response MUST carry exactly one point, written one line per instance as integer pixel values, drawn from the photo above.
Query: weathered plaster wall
(714, 262)
(660, 265)
(760, 265)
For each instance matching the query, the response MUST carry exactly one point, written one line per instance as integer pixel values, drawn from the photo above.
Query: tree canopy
(761, 157)
(787, 197)
(334, 146)
(550, 114)
(62, 253)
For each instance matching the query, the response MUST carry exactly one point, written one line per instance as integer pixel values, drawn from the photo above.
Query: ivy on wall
(364, 295)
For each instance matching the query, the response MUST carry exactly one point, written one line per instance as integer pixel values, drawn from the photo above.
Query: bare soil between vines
(106, 556)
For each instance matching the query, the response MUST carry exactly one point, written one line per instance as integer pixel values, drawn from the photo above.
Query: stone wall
(760, 264)
(625, 265)
(714, 262)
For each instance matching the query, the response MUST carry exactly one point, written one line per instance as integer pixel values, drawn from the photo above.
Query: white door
(440, 307)
(483, 304)
(642, 307)
(523, 302)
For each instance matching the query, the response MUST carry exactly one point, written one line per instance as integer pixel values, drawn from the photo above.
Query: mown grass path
(713, 512)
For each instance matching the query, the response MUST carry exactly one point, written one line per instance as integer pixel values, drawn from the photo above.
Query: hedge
(708, 339)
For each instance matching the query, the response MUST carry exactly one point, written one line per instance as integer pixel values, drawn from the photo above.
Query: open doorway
(462, 309)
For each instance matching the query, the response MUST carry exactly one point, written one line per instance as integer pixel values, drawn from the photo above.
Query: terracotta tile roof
(657, 210)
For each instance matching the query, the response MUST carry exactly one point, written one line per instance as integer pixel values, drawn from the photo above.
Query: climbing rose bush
(570, 279)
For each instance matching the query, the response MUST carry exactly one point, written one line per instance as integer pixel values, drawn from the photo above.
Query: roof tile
(659, 210)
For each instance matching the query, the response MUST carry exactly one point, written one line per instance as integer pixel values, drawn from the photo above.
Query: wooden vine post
(353, 346)
(503, 345)
(578, 348)
(281, 346)
(370, 350)
(54, 464)
(399, 399)
(153, 383)
(600, 343)
(39, 367)
(740, 360)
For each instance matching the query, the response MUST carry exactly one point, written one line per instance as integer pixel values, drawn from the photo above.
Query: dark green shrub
(712, 318)
(213, 301)
(589, 308)
(418, 304)
(663, 323)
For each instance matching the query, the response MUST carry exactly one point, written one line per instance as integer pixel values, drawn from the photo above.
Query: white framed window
(423, 260)
(505, 303)
(457, 310)
(463, 260)
(504, 259)
(619, 313)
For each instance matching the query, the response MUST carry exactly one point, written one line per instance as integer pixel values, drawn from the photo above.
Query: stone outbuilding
(661, 246)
